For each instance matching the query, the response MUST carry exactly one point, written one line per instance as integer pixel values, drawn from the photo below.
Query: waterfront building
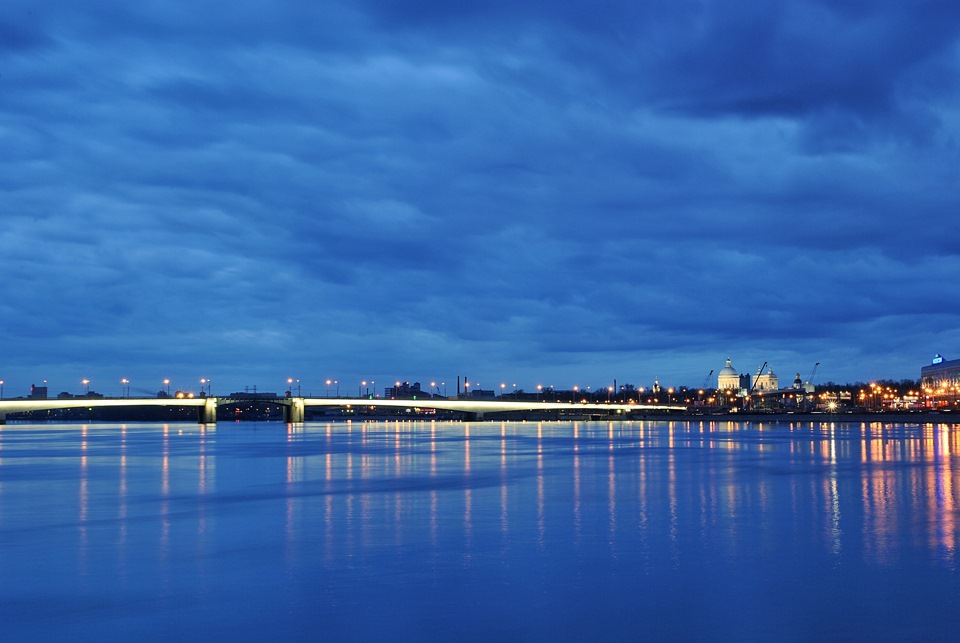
(765, 381)
(406, 391)
(728, 378)
(941, 380)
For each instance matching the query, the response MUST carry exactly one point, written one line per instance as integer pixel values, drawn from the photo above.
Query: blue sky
(547, 193)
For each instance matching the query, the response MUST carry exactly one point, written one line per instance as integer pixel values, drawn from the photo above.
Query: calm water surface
(480, 531)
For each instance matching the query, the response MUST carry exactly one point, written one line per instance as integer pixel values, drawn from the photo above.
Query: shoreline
(904, 417)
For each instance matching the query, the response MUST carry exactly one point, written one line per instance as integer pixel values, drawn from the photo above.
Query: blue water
(481, 531)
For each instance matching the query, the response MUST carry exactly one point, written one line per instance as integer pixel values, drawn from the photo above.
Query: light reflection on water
(555, 530)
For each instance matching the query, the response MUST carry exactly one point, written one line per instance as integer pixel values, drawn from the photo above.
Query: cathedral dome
(728, 370)
(728, 378)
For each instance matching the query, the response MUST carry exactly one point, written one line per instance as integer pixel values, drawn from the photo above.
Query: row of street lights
(332, 384)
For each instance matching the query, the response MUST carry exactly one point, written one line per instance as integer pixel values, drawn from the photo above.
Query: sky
(522, 193)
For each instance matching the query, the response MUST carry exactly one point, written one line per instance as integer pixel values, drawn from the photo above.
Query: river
(480, 531)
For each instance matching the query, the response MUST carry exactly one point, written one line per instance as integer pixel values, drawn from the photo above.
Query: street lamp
(86, 384)
(1, 389)
(124, 384)
(576, 393)
(166, 384)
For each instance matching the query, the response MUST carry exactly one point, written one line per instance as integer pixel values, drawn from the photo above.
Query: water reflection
(524, 518)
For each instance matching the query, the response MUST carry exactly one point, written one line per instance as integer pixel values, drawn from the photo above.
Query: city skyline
(379, 386)
(363, 190)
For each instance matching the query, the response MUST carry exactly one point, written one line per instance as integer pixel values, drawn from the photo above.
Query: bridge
(294, 407)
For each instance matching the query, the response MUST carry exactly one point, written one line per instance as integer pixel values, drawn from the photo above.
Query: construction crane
(706, 380)
(809, 386)
(757, 378)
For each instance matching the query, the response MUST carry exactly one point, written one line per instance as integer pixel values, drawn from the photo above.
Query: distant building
(38, 392)
(247, 395)
(481, 394)
(941, 380)
(728, 378)
(406, 391)
(765, 381)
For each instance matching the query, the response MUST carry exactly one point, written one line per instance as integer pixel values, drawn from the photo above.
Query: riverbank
(903, 417)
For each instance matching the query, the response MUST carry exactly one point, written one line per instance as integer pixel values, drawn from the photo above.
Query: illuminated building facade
(941, 381)
(765, 381)
(728, 378)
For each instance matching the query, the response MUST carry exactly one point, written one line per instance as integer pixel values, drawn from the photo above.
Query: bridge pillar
(293, 410)
(208, 412)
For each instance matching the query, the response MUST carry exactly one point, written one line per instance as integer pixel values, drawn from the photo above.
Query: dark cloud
(383, 190)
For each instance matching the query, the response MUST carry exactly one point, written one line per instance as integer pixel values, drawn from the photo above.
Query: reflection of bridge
(293, 407)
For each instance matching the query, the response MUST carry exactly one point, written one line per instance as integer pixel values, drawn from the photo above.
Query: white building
(765, 381)
(728, 378)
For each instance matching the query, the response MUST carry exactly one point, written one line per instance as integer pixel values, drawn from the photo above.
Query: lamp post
(166, 384)
(124, 387)
(86, 385)
(576, 392)
(1, 389)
